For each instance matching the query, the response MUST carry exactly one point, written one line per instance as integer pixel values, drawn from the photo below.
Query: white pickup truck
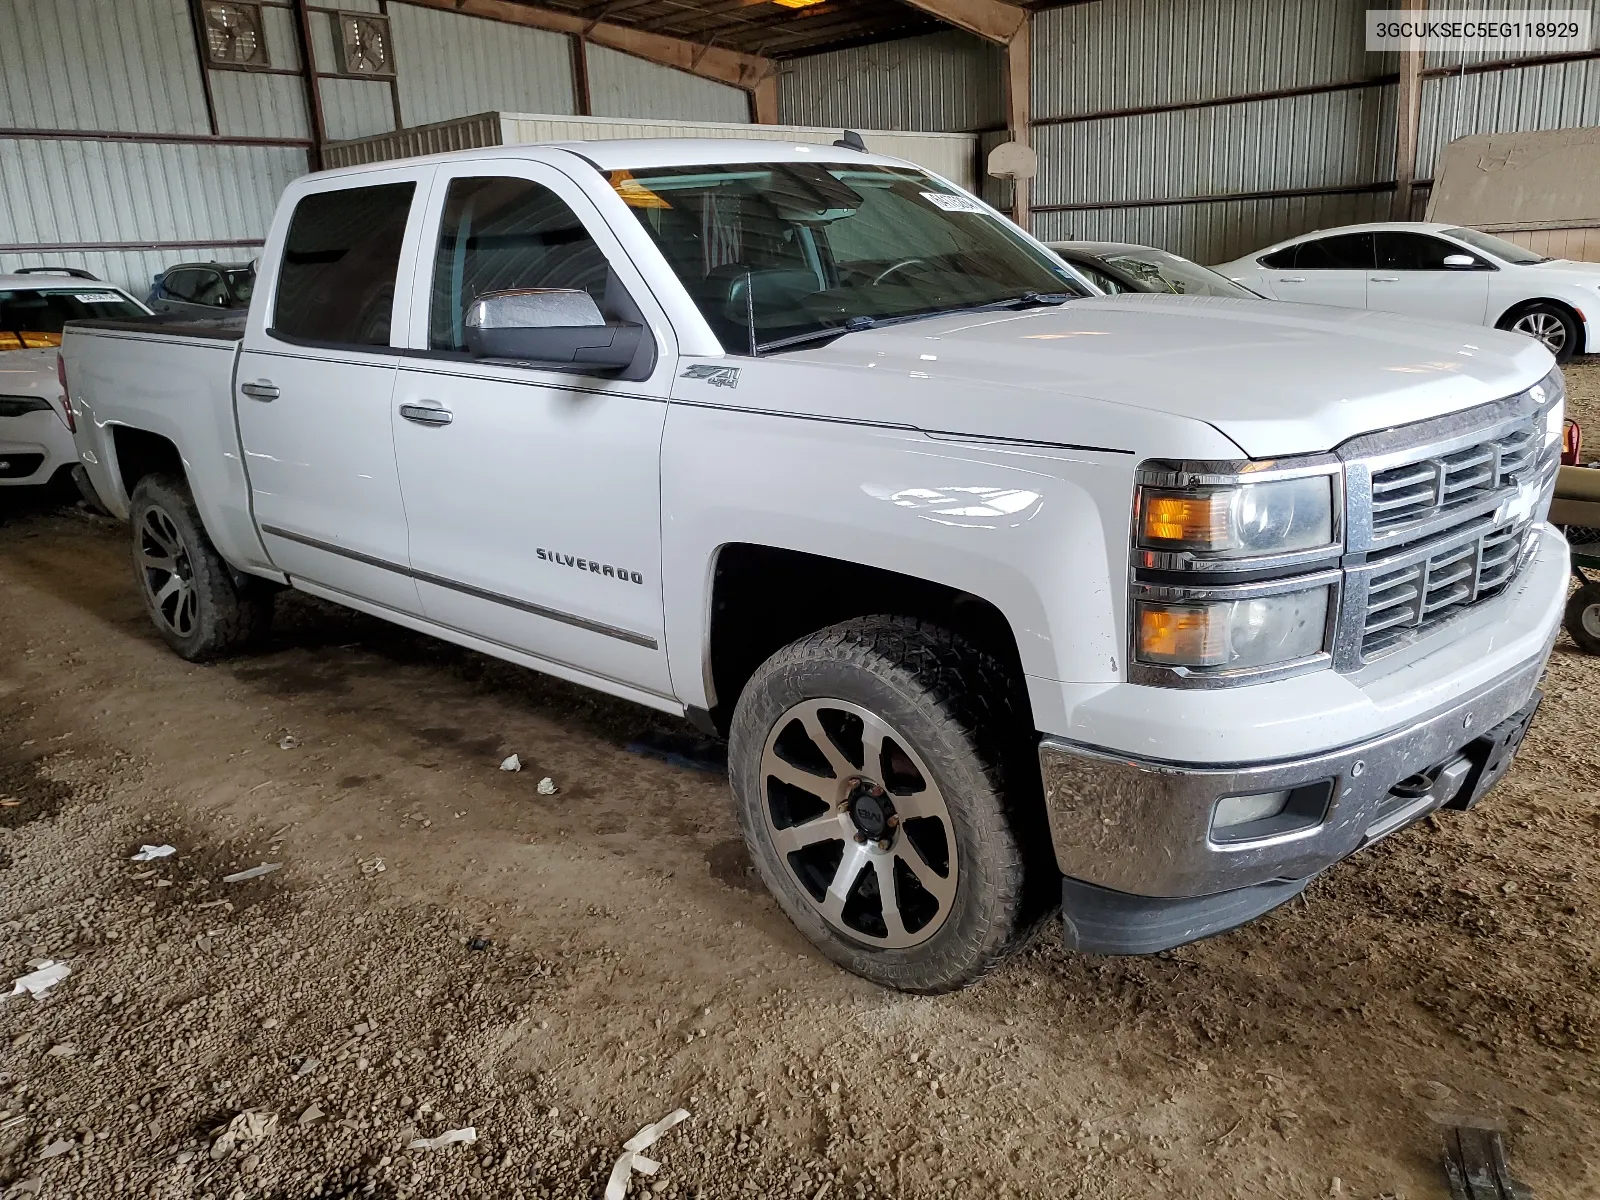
(1008, 597)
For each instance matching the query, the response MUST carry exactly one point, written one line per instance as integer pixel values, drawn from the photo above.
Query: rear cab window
(340, 261)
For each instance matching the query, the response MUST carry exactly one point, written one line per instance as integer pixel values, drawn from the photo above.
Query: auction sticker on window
(951, 203)
(96, 298)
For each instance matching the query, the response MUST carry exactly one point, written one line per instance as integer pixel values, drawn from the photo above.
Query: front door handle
(425, 414)
(1291, 279)
(1383, 279)
(261, 389)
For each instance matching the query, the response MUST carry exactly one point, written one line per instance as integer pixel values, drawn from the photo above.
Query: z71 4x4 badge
(716, 376)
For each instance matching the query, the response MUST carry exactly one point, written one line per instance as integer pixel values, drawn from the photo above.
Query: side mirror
(1460, 261)
(549, 327)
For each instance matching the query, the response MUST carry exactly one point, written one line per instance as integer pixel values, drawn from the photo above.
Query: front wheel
(1551, 324)
(199, 607)
(881, 775)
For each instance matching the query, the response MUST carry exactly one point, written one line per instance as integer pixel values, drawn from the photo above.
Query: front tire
(884, 783)
(197, 604)
(1556, 327)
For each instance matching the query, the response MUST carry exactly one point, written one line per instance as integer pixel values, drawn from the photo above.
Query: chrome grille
(1430, 486)
(1405, 601)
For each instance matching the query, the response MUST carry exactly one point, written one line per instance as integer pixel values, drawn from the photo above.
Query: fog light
(1241, 810)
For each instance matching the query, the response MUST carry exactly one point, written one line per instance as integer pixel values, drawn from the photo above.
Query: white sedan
(1445, 272)
(35, 437)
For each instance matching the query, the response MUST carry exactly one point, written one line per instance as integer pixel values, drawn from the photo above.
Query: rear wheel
(884, 788)
(199, 607)
(1549, 323)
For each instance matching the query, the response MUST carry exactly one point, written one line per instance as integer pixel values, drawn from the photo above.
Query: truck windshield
(777, 251)
(34, 316)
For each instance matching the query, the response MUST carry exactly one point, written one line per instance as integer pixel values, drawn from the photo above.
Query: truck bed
(229, 328)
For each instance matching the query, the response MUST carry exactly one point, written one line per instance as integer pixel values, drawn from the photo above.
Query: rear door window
(340, 260)
(1343, 252)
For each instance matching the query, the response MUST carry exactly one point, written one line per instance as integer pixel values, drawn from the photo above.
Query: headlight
(1257, 631)
(1243, 520)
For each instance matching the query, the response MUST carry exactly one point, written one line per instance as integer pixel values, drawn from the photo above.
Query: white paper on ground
(511, 764)
(449, 1138)
(632, 1160)
(252, 873)
(149, 853)
(47, 973)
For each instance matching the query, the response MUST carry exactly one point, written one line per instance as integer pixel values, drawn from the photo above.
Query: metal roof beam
(992, 20)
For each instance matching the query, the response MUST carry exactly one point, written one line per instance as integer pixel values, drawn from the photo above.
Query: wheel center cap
(871, 811)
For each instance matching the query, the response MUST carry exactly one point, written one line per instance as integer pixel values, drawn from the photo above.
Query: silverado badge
(716, 376)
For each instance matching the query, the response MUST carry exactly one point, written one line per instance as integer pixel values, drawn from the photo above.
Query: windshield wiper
(852, 325)
(856, 324)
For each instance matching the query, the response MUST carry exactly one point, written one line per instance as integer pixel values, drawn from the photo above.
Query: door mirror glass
(1460, 261)
(549, 327)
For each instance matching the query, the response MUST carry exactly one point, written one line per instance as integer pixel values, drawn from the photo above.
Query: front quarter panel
(1039, 531)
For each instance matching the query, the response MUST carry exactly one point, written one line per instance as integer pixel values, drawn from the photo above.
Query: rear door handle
(1291, 279)
(426, 414)
(1383, 278)
(262, 389)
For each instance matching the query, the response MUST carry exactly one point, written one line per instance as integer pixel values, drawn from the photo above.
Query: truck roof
(615, 154)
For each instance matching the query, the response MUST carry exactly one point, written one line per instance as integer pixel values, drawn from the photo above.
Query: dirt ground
(444, 946)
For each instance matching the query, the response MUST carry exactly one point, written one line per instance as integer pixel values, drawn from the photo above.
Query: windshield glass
(1158, 271)
(33, 317)
(1505, 251)
(771, 251)
(241, 283)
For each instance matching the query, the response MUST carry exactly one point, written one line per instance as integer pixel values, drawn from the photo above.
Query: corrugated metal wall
(942, 82)
(621, 85)
(1120, 54)
(452, 65)
(1549, 96)
(144, 75)
(255, 104)
(151, 180)
(1209, 127)
(158, 188)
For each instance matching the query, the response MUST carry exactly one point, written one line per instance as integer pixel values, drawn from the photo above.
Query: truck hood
(1275, 378)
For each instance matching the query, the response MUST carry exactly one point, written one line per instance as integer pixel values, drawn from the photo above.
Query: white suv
(35, 424)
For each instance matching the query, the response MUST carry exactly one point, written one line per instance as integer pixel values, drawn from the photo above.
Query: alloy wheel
(859, 823)
(1545, 326)
(167, 573)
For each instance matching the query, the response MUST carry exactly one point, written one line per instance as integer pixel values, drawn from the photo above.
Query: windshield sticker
(951, 203)
(634, 194)
(96, 298)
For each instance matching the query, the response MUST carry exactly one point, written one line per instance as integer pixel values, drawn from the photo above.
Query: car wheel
(883, 775)
(1583, 618)
(1549, 323)
(198, 605)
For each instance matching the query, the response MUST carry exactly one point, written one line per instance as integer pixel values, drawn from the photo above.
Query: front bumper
(1144, 827)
